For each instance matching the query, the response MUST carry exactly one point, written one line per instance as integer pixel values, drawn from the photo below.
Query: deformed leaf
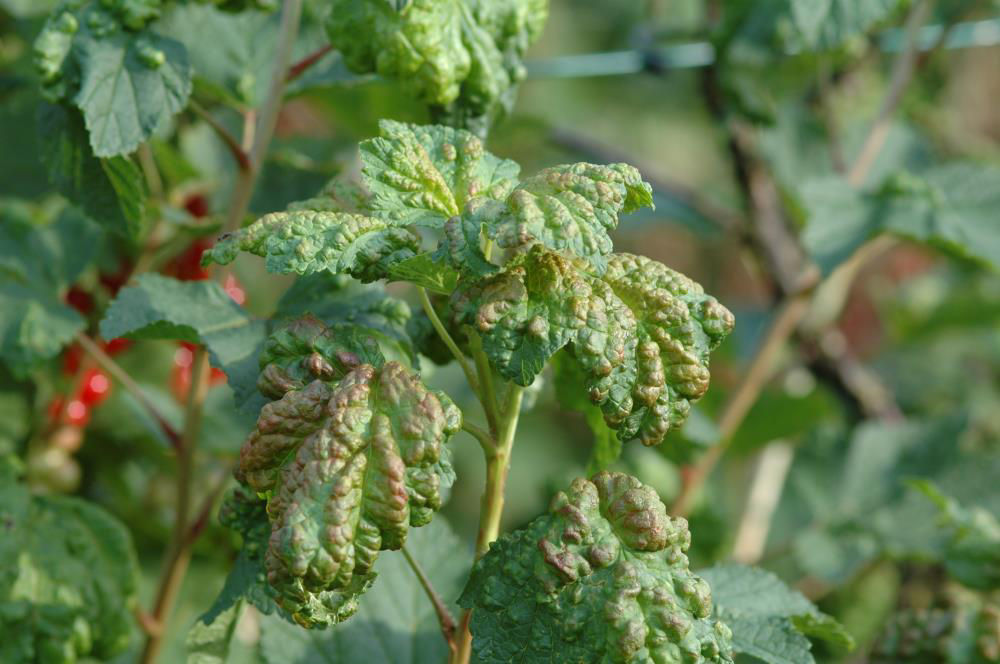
(349, 462)
(641, 332)
(68, 581)
(426, 174)
(307, 241)
(572, 208)
(460, 57)
(601, 577)
(395, 622)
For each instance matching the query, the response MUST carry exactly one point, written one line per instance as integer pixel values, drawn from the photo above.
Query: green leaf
(336, 299)
(69, 580)
(770, 620)
(950, 207)
(386, 433)
(424, 271)
(568, 378)
(129, 87)
(231, 53)
(573, 208)
(601, 577)
(426, 175)
(307, 241)
(828, 24)
(36, 264)
(395, 621)
(463, 60)
(159, 307)
(973, 550)
(110, 191)
(642, 333)
(209, 644)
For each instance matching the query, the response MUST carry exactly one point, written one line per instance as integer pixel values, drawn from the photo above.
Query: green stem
(497, 467)
(439, 327)
(488, 395)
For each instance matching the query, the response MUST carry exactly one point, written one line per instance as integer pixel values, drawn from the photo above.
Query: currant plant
(303, 440)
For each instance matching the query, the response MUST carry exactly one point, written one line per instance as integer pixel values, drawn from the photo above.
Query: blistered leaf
(426, 175)
(572, 208)
(68, 581)
(770, 620)
(337, 299)
(394, 618)
(349, 462)
(459, 57)
(641, 332)
(126, 79)
(37, 262)
(307, 241)
(246, 513)
(601, 577)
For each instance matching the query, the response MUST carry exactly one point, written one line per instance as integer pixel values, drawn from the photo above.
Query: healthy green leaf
(37, 262)
(159, 307)
(395, 621)
(572, 208)
(424, 271)
(973, 551)
(641, 332)
(129, 87)
(68, 582)
(303, 242)
(110, 191)
(769, 620)
(601, 577)
(209, 644)
(462, 58)
(426, 175)
(950, 207)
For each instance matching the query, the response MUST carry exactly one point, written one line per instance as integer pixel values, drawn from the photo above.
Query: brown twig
(235, 149)
(796, 304)
(445, 619)
(179, 553)
(305, 63)
(115, 370)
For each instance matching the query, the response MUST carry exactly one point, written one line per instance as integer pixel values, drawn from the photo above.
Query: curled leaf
(642, 332)
(572, 208)
(460, 57)
(601, 578)
(307, 241)
(426, 175)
